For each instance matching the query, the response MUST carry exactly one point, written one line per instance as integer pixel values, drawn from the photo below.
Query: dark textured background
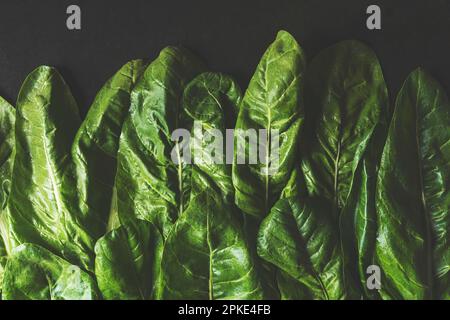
(231, 36)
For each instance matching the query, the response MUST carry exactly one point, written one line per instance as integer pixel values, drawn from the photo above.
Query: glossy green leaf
(125, 261)
(43, 204)
(206, 255)
(273, 101)
(94, 150)
(412, 196)
(7, 152)
(150, 186)
(299, 237)
(7, 149)
(345, 96)
(34, 273)
(345, 93)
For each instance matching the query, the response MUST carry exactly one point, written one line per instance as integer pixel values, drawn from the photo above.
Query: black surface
(230, 35)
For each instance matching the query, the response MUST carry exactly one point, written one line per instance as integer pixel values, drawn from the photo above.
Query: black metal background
(230, 35)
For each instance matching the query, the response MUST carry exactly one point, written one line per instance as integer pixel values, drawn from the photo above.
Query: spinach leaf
(345, 98)
(152, 187)
(34, 273)
(412, 195)
(94, 150)
(299, 237)
(206, 255)
(43, 204)
(345, 93)
(273, 101)
(7, 151)
(126, 265)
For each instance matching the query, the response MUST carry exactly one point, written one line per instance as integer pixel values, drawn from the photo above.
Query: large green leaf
(206, 255)
(33, 272)
(94, 150)
(412, 196)
(42, 203)
(345, 93)
(125, 261)
(152, 187)
(299, 237)
(7, 151)
(273, 101)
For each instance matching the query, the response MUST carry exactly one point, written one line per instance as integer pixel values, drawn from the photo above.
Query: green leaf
(345, 93)
(7, 151)
(150, 186)
(299, 238)
(125, 261)
(272, 102)
(206, 255)
(94, 150)
(43, 206)
(345, 98)
(34, 273)
(412, 196)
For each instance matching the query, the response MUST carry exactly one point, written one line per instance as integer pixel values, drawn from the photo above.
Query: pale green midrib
(336, 173)
(268, 141)
(208, 238)
(180, 165)
(336, 209)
